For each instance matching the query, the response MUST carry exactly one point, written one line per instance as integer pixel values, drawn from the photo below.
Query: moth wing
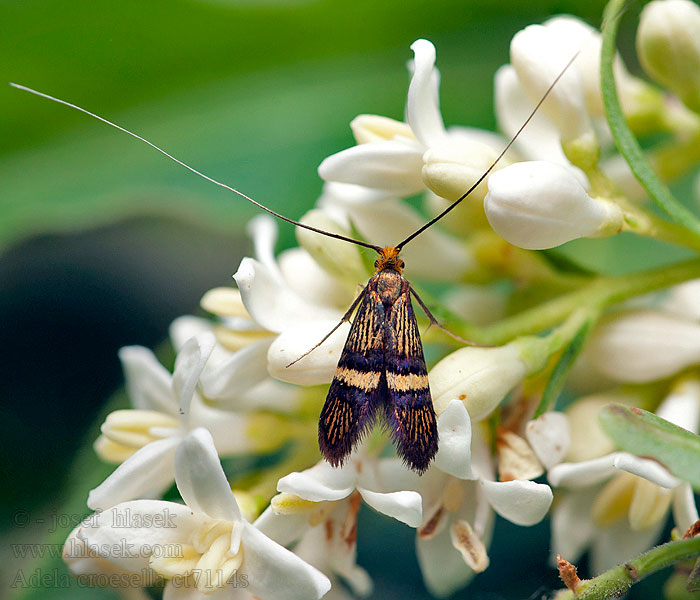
(409, 411)
(351, 405)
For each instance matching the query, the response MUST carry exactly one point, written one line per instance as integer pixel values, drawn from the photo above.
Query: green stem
(643, 223)
(596, 295)
(639, 221)
(615, 582)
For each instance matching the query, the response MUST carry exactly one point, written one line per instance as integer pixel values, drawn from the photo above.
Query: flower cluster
(251, 379)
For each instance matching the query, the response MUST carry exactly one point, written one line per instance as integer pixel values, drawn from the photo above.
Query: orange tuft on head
(389, 259)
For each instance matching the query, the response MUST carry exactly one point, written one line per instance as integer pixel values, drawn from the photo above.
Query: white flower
(319, 507)
(400, 160)
(538, 204)
(617, 503)
(85, 563)
(165, 409)
(235, 377)
(299, 316)
(204, 544)
(644, 345)
(326, 534)
(479, 377)
(385, 220)
(324, 483)
(669, 47)
(460, 497)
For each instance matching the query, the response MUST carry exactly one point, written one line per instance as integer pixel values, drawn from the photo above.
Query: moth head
(389, 259)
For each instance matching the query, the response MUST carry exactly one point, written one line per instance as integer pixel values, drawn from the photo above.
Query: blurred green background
(103, 242)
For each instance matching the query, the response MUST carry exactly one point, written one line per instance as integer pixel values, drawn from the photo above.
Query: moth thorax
(389, 259)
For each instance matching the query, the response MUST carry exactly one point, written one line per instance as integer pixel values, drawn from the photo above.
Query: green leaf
(566, 360)
(644, 434)
(626, 143)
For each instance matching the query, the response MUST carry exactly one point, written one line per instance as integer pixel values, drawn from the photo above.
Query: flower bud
(375, 128)
(452, 167)
(588, 440)
(479, 377)
(538, 205)
(668, 44)
(644, 345)
(684, 300)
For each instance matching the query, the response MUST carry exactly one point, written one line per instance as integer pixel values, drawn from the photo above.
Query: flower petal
(405, 506)
(538, 57)
(304, 275)
(263, 230)
(549, 437)
(589, 472)
(201, 480)
(149, 471)
(320, 482)
(148, 383)
(572, 528)
(455, 434)
(129, 533)
(318, 366)
(238, 373)
(521, 502)
(422, 108)
(443, 568)
(283, 529)
(271, 303)
(685, 512)
(228, 429)
(189, 365)
(274, 572)
(387, 220)
(540, 139)
(183, 589)
(393, 166)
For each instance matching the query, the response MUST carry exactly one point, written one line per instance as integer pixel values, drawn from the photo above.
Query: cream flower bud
(668, 44)
(452, 167)
(479, 377)
(684, 300)
(375, 128)
(538, 55)
(644, 345)
(539, 204)
(588, 440)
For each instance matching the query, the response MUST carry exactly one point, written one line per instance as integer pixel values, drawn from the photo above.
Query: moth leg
(434, 321)
(345, 319)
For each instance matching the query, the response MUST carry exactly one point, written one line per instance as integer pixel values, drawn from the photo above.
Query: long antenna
(195, 171)
(493, 164)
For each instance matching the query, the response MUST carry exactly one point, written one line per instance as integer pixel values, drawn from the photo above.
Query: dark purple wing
(408, 406)
(351, 405)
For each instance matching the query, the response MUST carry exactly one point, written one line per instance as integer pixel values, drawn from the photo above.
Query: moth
(381, 372)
